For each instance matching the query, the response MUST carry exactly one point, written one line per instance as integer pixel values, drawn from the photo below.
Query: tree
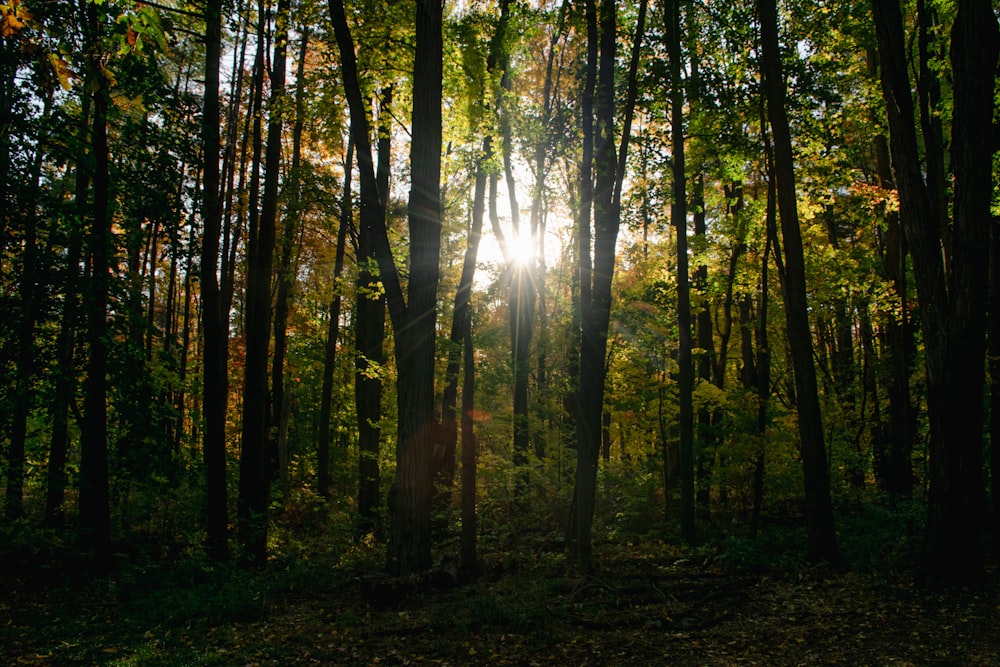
(95, 513)
(678, 219)
(65, 373)
(893, 450)
(369, 333)
(330, 347)
(214, 321)
(409, 504)
(285, 275)
(951, 288)
(413, 316)
(821, 533)
(470, 447)
(461, 324)
(596, 273)
(28, 297)
(254, 469)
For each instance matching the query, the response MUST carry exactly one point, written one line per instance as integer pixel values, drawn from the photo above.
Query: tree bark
(333, 329)
(369, 337)
(893, 449)
(821, 533)
(678, 220)
(254, 468)
(460, 325)
(586, 433)
(286, 274)
(28, 316)
(95, 511)
(470, 447)
(413, 318)
(994, 370)
(410, 497)
(952, 296)
(214, 323)
(65, 374)
(600, 187)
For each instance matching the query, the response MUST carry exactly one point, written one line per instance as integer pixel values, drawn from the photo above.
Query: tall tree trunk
(65, 374)
(469, 560)
(444, 464)
(333, 329)
(762, 363)
(953, 295)
(994, 368)
(821, 533)
(230, 232)
(706, 345)
(413, 318)
(893, 449)
(538, 216)
(521, 294)
(180, 399)
(409, 531)
(25, 359)
(369, 323)
(95, 512)
(842, 364)
(602, 194)
(460, 324)
(678, 219)
(762, 374)
(586, 434)
(290, 231)
(254, 469)
(214, 321)
(372, 223)
(957, 510)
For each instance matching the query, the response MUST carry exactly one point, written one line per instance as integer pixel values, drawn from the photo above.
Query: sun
(521, 248)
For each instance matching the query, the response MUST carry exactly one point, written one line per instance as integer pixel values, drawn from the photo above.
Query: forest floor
(648, 604)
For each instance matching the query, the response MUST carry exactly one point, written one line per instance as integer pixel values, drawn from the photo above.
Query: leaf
(15, 18)
(61, 70)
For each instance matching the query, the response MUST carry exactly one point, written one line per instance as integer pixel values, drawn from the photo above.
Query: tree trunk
(893, 449)
(286, 273)
(409, 531)
(678, 220)
(598, 106)
(65, 374)
(214, 322)
(333, 329)
(369, 323)
(994, 368)
(586, 433)
(953, 296)
(95, 512)
(821, 533)
(707, 442)
(460, 324)
(254, 469)
(444, 463)
(25, 359)
(469, 562)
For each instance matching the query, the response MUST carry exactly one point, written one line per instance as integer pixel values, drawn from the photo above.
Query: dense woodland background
(412, 287)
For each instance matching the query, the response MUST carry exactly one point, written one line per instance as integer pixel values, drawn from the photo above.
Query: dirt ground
(651, 608)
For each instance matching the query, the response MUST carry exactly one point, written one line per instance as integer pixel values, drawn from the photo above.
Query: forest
(499, 332)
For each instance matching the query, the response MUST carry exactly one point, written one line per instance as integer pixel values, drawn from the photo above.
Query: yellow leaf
(15, 18)
(61, 69)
